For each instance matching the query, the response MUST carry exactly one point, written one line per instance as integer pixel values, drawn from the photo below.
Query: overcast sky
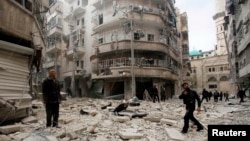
(202, 34)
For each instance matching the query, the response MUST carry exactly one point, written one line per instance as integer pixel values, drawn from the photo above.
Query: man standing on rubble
(51, 98)
(189, 97)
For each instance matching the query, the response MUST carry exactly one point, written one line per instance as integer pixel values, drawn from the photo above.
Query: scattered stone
(10, 129)
(30, 119)
(174, 134)
(168, 121)
(72, 135)
(121, 119)
(153, 119)
(4, 138)
(129, 135)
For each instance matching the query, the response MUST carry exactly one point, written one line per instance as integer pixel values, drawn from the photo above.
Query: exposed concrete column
(107, 89)
(127, 89)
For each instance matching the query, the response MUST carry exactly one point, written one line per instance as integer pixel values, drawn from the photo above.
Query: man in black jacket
(51, 98)
(189, 97)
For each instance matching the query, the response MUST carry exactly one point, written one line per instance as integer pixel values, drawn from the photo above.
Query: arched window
(223, 78)
(212, 79)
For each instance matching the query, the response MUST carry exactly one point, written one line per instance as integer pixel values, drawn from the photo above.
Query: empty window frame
(151, 37)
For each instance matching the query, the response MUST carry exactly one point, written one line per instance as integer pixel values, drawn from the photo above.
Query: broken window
(100, 19)
(150, 37)
(136, 36)
(100, 41)
(212, 86)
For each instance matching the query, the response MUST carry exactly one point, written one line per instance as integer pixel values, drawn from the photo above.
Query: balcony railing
(78, 50)
(51, 63)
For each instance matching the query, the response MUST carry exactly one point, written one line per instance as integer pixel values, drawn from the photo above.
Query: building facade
(22, 37)
(118, 48)
(237, 23)
(135, 46)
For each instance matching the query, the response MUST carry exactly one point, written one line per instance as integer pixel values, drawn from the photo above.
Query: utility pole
(132, 58)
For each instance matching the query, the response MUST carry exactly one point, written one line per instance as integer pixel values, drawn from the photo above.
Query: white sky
(202, 32)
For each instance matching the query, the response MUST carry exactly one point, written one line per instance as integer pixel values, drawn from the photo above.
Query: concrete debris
(84, 119)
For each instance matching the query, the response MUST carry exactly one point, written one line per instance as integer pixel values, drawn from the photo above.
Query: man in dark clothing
(204, 95)
(226, 96)
(241, 94)
(163, 93)
(216, 96)
(51, 98)
(189, 98)
(155, 92)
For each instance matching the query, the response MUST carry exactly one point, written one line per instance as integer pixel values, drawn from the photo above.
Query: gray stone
(129, 135)
(4, 138)
(153, 119)
(174, 134)
(72, 135)
(10, 129)
(30, 119)
(121, 119)
(168, 121)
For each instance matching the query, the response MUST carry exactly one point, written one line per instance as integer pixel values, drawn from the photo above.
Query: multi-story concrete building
(237, 22)
(135, 46)
(118, 47)
(182, 26)
(21, 42)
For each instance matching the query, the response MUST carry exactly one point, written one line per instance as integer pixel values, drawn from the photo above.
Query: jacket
(51, 91)
(190, 98)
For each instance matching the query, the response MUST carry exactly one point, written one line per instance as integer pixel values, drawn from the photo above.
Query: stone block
(153, 119)
(10, 129)
(30, 119)
(121, 119)
(168, 121)
(129, 135)
(174, 134)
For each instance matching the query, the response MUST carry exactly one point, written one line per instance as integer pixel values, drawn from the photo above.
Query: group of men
(217, 96)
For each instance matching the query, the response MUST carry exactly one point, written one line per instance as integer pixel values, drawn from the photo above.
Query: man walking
(189, 98)
(51, 98)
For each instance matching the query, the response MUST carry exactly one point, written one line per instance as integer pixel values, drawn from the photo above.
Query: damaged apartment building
(22, 33)
(136, 47)
(106, 48)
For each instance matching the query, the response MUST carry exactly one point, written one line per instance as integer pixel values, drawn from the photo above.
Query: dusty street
(163, 121)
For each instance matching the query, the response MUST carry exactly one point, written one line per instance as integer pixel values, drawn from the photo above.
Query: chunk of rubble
(121, 119)
(168, 121)
(174, 134)
(41, 136)
(152, 119)
(10, 129)
(30, 119)
(129, 135)
(4, 138)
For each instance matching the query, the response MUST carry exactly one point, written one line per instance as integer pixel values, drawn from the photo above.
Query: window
(194, 70)
(71, 9)
(100, 41)
(82, 41)
(221, 68)
(212, 79)
(78, 22)
(212, 86)
(82, 64)
(78, 2)
(82, 21)
(223, 78)
(100, 19)
(213, 69)
(209, 69)
(150, 37)
(136, 36)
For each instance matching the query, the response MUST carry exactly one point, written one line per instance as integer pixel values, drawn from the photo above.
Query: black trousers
(190, 116)
(154, 98)
(52, 113)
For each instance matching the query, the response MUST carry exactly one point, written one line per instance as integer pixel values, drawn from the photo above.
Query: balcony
(78, 72)
(78, 50)
(78, 10)
(56, 30)
(53, 49)
(245, 71)
(126, 45)
(244, 43)
(57, 7)
(51, 64)
(149, 19)
(185, 42)
(184, 29)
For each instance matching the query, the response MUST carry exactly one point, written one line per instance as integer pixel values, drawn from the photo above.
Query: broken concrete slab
(153, 119)
(129, 135)
(174, 134)
(30, 119)
(168, 121)
(10, 129)
(121, 119)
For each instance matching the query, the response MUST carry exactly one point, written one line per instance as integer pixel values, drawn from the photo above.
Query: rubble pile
(94, 120)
